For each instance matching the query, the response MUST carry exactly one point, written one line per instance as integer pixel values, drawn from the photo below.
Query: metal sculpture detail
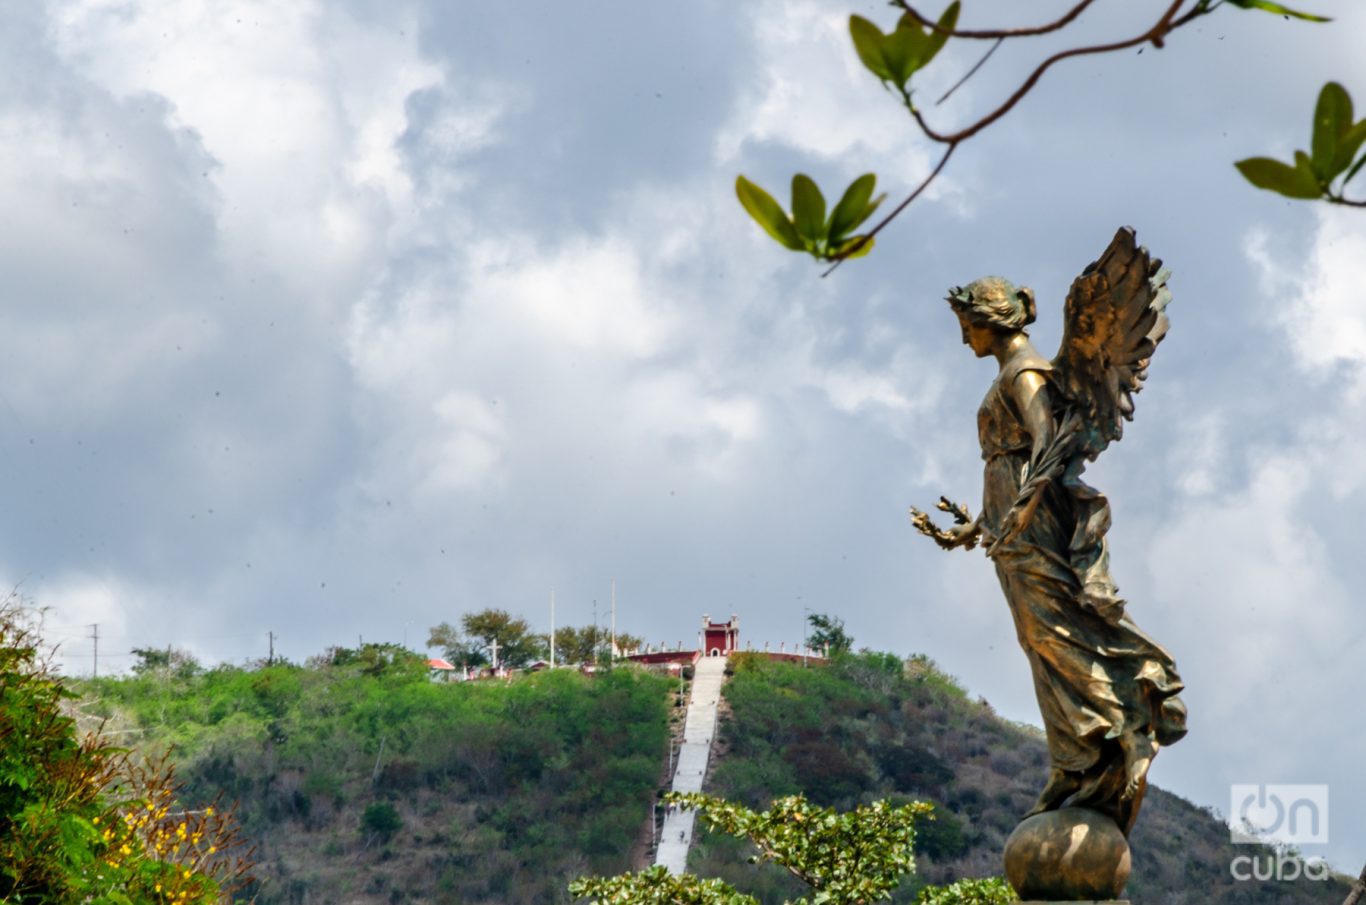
(1107, 691)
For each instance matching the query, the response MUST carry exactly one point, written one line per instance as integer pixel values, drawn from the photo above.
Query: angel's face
(977, 337)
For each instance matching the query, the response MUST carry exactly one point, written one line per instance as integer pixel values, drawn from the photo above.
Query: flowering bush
(81, 820)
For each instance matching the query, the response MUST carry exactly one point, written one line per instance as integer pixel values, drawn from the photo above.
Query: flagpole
(614, 621)
(552, 628)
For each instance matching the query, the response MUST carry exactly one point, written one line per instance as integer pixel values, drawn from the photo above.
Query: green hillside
(362, 781)
(872, 726)
(366, 782)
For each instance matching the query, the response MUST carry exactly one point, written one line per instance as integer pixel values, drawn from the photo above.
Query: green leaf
(853, 207)
(872, 206)
(1348, 145)
(947, 22)
(808, 209)
(1277, 9)
(768, 214)
(1305, 167)
(903, 49)
(868, 41)
(1265, 173)
(1332, 117)
(844, 250)
(910, 48)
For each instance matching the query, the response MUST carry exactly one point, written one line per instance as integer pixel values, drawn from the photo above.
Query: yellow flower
(208, 812)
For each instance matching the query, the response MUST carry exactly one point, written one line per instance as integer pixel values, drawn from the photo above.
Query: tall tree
(589, 643)
(483, 632)
(827, 632)
(455, 647)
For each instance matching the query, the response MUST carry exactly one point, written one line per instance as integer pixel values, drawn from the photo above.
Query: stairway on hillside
(699, 728)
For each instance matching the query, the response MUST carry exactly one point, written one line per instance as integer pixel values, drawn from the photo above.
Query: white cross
(493, 646)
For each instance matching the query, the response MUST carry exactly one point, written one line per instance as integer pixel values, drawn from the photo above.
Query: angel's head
(991, 306)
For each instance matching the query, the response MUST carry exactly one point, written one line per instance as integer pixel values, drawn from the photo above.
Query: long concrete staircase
(699, 727)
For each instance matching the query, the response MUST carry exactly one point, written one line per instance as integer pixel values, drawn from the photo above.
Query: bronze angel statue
(1107, 691)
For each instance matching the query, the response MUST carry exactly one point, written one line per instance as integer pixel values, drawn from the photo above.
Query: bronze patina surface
(1068, 855)
(1106, 690)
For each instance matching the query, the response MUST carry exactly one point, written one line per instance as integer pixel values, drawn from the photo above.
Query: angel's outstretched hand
(965, 532)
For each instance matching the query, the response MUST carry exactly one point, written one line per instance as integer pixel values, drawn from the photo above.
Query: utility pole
(552, 628)
(595, 631)
(614, 621)
(270, 658)
(95, 660)
(806, 622)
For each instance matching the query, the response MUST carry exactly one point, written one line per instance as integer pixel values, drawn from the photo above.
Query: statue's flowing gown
(1096, 674)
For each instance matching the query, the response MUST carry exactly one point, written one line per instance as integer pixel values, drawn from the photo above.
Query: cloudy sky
(342, 319)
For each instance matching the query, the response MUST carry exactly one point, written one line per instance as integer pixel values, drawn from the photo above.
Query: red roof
(438, 663)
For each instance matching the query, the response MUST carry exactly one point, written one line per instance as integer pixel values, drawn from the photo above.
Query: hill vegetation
(872, 726)
(359, 779)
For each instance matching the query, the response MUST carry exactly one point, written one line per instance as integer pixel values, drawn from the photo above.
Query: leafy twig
(998, 33)
(1164, 26)
(898, 209)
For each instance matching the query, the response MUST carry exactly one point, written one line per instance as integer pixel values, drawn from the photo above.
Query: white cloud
(813, 95)
(1199, 458)
(73, 604)
(300, 107)
(1321, 298)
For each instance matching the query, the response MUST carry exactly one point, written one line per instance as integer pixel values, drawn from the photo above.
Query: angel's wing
(1114, 319)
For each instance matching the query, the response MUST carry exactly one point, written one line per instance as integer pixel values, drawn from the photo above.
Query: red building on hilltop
(720, 638)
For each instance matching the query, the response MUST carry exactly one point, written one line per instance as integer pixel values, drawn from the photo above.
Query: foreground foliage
(82, 821)
(850, 858)
(895, 57)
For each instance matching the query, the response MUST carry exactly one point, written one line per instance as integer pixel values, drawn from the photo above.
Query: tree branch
(1163, 26)
(971, 72)
(997, 33)
(898, 209)
(1358, 889)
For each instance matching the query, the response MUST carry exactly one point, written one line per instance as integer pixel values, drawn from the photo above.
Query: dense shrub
(80, 821)
(521, 781)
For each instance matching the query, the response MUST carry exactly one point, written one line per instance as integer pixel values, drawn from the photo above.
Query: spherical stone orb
(1068, 855)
